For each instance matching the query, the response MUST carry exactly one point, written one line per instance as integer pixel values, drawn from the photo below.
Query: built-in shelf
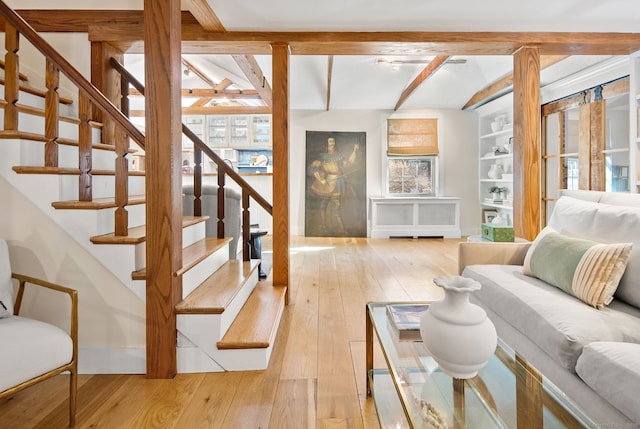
(494, 157)
(508, 131)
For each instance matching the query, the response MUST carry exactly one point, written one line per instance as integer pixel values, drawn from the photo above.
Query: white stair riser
(32, 154)
(194, 358)
(35, 124)
(102, 186)
(198, 274)
(100, 159)
(193, 233)
(205, 330)
(27, 99)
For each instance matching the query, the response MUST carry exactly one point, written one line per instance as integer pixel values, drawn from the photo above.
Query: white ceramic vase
(458, 334)
(495, 171)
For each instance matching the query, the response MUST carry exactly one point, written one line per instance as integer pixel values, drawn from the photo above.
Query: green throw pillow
(585, 269)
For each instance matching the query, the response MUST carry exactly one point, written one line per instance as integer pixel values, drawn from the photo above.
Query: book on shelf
(404, 320)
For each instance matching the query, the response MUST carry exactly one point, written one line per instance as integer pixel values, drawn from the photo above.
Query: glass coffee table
(410, 390)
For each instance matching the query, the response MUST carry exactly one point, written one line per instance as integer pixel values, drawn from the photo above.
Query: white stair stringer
(120, 259)
(199, 333)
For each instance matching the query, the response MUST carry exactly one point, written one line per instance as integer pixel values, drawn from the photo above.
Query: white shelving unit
(496, 149)
(634, 120)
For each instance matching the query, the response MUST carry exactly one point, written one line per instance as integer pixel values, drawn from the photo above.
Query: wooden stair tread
(29, 169)
(96, 204)
(36, 169)
(255, 324)
(40, 93)
(62, 141)
(215, 294)
(137, 234)
(113, 173)
(191, 255)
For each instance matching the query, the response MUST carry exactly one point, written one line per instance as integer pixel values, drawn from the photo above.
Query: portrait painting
(335, 188)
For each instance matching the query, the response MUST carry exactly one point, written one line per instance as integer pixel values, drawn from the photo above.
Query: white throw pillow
(6, 284)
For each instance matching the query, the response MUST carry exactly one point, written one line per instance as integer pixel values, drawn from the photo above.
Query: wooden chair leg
(73, 391)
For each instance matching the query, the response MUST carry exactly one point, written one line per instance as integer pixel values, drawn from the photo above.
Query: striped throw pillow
(588, 270)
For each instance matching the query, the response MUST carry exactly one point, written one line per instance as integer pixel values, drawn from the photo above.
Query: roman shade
(417, 136)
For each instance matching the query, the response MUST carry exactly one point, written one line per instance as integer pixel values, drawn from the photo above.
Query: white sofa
(592, 355)
(232, 212)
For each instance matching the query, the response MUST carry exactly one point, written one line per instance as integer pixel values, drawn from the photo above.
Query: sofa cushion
(604, 223)
(6, 285)
(558, 323)
(30, 348)
(612, 369)
(588, 270)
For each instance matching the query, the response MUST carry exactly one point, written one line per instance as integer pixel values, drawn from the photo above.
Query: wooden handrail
(222, 165)
(71, 73)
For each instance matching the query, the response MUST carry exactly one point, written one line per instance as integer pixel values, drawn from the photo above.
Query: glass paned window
(412, 175)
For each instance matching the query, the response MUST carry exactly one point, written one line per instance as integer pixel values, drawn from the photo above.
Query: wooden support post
(597, 145)
(162, 39)
(280, 133)
(584, 146)
(85, 159)
(526, 149)
(107, 80)
(51, 117)
(11, 77)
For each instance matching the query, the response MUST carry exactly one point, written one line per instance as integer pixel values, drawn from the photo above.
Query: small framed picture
(488, 215)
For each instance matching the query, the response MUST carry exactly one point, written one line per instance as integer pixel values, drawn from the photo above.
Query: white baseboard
(112, 361)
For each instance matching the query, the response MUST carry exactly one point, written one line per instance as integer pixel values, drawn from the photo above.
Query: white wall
(110, 315)
(458, 156)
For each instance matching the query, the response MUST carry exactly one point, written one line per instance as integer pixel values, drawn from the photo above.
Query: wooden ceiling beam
(329, 75)
(504, 85)
(214, 110)
(201, 10)
(79, 21)
(234, 94)
(247, 63)
(251, 69)
(195, 40)
(425, 74)
(201, 102)
(202, 75)
(224, 84)
(123, 27)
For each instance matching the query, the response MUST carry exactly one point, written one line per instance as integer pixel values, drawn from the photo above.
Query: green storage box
(497, 232)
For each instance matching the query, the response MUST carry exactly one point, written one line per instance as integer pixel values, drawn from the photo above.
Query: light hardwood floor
(316, 376)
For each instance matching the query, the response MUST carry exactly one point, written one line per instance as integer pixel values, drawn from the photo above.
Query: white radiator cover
(414, 217)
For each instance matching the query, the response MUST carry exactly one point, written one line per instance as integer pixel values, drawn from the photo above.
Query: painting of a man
(336, 185)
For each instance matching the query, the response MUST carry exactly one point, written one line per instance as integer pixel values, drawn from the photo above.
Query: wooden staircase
(227, 319)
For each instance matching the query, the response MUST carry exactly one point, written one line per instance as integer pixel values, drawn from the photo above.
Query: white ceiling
(359, 83)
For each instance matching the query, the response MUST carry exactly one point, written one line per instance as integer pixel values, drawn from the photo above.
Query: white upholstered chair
(32, 351)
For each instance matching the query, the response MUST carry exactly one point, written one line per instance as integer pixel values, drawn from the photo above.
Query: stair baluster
(85, 160)
(197, 181)
(11, 79)
(52, 115)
